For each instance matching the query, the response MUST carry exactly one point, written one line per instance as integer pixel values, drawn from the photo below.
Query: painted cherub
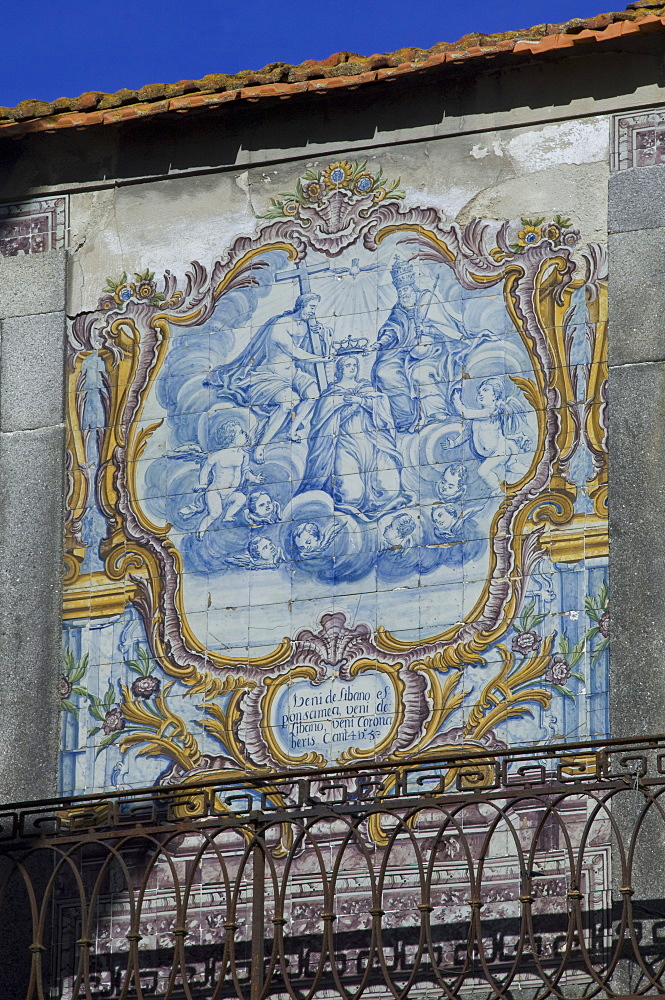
(262, 508)
(399, 532)
(262, 553)
(446, 521)
(453, 483)
(222, 476)
(450, 519)
(310, 539)
(496, 435)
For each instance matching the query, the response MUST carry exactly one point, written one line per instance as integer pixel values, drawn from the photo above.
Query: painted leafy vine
(73, 672)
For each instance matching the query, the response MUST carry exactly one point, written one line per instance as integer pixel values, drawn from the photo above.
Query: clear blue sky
(56, 48)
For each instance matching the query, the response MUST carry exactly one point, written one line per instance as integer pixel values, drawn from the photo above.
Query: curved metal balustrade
(532, 874)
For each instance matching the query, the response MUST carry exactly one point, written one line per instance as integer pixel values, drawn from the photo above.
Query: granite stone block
(637, 548)
(33, 283)
(636, 199)
(32, 371)
(637, 296)
(31, 505)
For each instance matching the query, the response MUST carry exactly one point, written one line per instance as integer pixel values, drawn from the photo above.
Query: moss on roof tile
(339, 64)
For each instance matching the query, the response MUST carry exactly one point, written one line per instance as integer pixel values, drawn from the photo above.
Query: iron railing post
(258, 915)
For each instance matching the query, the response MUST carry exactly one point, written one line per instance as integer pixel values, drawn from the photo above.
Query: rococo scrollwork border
(537, 514)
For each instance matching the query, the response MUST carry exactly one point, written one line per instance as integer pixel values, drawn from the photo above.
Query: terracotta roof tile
(340, 70)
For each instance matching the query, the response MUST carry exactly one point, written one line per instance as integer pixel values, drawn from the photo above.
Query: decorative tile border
(236, 628)
(37, 226)
(638, 140)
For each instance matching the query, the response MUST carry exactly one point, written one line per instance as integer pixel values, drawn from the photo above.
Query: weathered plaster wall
(497, 174)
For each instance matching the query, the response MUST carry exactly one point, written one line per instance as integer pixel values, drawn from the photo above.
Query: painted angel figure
(222, 477)
(496, 435)
(455, 533)
(449, 520)
(453, 483)
(262, 508)
(398, 532)
(310, 539)
(262, 553)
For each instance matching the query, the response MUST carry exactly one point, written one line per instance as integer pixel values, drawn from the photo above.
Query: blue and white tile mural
(338, 494)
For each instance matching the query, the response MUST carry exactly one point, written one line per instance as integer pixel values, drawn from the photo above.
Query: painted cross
(302, 274)
(355, 268)
(316, 335)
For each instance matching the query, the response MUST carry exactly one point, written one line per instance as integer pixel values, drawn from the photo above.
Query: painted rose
(113, 722)
(312, 190)
(146, 289)
(65, 686)
(337, 174)
(145, 687)
(526, 642)
(558, 670)
(123, 293)
(604, 624)
(107, 302)
(529, 235)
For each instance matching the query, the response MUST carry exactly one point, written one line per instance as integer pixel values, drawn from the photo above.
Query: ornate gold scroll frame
(546, 522)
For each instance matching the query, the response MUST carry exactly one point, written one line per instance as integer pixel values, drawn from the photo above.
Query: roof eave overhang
(435, 66)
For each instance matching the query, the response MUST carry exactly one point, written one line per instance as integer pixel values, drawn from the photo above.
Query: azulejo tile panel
(36, 226)
(638, 140)
(338, 495)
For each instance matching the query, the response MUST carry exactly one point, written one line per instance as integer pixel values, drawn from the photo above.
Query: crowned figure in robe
(352, 453)
(421, 352)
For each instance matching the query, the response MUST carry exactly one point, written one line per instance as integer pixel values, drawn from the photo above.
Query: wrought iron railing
(534, 873)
